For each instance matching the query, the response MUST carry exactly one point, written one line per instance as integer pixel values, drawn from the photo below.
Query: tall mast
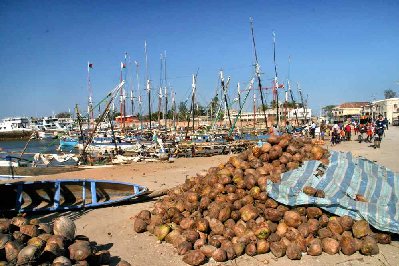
(239, 100)
(275, 89)
(173, 108)
(122, 94)
(303, 103)
(254, 110)
(224, 88)
(140, 113)
(290, 91)
(90, 102)
(257, 69)
(148, 84)
(194, 88)
(165, 93)
(160, 92)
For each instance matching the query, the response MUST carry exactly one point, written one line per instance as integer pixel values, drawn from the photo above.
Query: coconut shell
(80, 250)
(145, 215)
(278, 249)
(191, 235)
(140, 226)
(219, 255)
(61, 260)
(187, 223)
(348, 245)
(262, 246)
(184, 247)
(161, 231)
(27, 255)
(12, 248)
(384, 238)
(369, 246)
(313, 212)
(65, 227)
(273, 215)
(194, 257)
(292, 218)
(294, 252)
(248, 212)
(323, 220)
(324, 232)
(208, 250)
(360, 229)
(330, 245)
(199, 243)
(335, 227)
(250, 249)
(346, 222)
(315, 248)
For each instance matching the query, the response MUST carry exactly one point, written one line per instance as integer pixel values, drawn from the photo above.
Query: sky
(340, 51)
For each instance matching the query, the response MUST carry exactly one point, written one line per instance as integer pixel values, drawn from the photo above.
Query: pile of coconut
(225, 212)
(30, 242)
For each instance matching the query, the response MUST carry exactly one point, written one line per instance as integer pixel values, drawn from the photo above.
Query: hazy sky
(341, 50)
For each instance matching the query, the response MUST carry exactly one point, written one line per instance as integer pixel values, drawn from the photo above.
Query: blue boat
(69, 143)
(66, 194)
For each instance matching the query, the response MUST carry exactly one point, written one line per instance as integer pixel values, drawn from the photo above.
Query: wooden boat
(60, 195)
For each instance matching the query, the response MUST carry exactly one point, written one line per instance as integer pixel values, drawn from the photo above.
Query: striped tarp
(343, 179)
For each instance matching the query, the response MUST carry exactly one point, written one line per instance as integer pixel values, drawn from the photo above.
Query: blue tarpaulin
(343, 179)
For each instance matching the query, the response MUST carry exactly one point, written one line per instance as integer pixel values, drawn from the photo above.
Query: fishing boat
(60, 195)
(68, 143)
(15, 127)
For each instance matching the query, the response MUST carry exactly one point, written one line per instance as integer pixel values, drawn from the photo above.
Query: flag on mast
(123, 65)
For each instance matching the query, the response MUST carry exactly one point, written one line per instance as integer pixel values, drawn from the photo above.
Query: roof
(353, 105)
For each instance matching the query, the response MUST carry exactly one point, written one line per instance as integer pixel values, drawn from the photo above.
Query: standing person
(356, 127)
(386, 122)
(379, 126)
(348, 130)
(323, 128)
(313, 130)
(370, 131)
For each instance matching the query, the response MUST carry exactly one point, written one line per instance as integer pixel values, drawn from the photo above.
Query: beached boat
(59, 195)
(68, 143)
(15, 127)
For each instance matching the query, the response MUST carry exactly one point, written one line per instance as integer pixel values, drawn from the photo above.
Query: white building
(389, 108)
(303, 114)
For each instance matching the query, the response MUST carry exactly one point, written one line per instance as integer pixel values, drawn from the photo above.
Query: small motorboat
(66, 194)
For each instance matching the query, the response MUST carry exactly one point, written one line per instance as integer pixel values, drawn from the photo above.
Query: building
(389, 108)
(348, 110)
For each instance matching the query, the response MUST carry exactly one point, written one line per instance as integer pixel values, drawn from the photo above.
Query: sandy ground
(112, 227)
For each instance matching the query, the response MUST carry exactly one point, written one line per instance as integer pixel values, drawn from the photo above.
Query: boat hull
(61, 195)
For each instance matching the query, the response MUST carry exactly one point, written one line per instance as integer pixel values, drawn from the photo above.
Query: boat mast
(224, 88)
(173, 108)
(290, 91)
(257, 70)
(148, 86)
(275, 89)
(90, 103)
(254, 109)
(305, 119)
(239, 100)
(194, 88)
(139, 95)
(160, 92)
(165, 115)
(122, 94)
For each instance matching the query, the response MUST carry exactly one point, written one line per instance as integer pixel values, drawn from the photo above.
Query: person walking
(313, 130)
(348, 130)
(323, 128)
(379, 127)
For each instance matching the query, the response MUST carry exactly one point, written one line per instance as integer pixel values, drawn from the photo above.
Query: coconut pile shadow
(225, 212)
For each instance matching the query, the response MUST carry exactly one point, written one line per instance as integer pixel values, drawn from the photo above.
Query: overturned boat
(66, 194)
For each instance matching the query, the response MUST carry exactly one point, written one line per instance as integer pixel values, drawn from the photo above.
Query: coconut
(219, 255)
(348, 245)
(278, 248)
(293, 252)
(282, 229)
(292, 218)
(3, 240)
(320, 194)
(315, 248)
(330, 245)
(145, 215)
(65, 227)
(324, 232)
(161, 231)
(194, 257)
(248, 212)
(4, 225)
(304, 230)
(313, 212)
(383, 238)
(27, 255)
(184, 247)
(335, 227)
(208, 250)
(346, 222)
(19, 236)
(187, 223)
(191, 235)
(18, 221)
(323, 220)
(61, 260)
(262, 246)
(360, 229)
(250, 249)
(224, 214)
(140, 226)
(369, 246)
(36, 242)
(273, 215)
(199, 243)
(80, 250)
(262, 231)
(12, 248)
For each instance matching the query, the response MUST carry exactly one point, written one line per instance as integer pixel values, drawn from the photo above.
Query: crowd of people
(364, 132)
